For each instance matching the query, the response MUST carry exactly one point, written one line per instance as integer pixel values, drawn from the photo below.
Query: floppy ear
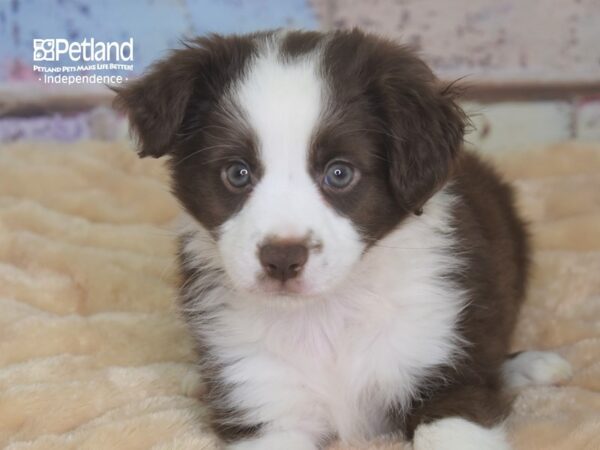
(178, 88)
(425, 126)
(156, 103)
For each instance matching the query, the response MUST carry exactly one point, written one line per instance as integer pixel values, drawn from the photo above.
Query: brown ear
(179, 89)
(424, 126)
(156, 103)
(428, 130)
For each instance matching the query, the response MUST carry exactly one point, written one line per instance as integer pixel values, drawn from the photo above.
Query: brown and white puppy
(348, 270)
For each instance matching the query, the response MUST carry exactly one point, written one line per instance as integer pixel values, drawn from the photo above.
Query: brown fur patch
(494, 242)
(393, 121)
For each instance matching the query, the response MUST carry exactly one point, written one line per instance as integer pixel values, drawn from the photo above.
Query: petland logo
(86, 50)
(55, 58)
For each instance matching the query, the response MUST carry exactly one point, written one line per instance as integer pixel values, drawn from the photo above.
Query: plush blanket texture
(93, 356)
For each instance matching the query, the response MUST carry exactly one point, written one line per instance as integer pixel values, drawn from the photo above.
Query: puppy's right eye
(339, 176)
(237, 176)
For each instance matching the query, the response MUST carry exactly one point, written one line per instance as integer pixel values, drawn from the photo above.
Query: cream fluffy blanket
(92, 354)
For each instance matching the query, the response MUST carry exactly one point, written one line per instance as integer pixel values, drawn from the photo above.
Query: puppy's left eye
(237, 176)
(339, 175)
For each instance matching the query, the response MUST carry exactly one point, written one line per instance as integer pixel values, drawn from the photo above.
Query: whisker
(393, 247)
(200, 151)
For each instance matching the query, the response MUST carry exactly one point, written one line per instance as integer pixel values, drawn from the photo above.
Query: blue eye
(237, 175)
(339, 175)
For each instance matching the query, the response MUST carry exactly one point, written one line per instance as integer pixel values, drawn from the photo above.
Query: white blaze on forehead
(282, 101)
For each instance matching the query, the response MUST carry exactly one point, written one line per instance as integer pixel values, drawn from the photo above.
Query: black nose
(283, 261)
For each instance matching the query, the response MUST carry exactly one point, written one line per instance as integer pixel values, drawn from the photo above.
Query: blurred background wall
(532, 67)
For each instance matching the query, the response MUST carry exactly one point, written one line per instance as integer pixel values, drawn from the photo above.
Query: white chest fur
(337, 363)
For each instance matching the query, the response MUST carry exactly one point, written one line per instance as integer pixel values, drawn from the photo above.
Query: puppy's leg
(455, 433)
(535, 368)
(286, 415)
(467, 416)
(277, 440)
(298, 428)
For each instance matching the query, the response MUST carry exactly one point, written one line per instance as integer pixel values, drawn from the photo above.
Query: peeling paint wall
(491, 40)
(494, 43)
(497, 42)
(494, 40)
(155, 25)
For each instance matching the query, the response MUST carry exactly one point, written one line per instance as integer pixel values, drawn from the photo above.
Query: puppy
(348, 269)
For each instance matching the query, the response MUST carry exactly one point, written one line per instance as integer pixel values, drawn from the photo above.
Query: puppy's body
(333, 363)
(418, 332)
(347, 269)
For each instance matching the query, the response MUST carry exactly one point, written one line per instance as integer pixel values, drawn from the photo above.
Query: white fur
(334, 363)
(454, 433)
(277, 440)
(367, 329)
(536, 368)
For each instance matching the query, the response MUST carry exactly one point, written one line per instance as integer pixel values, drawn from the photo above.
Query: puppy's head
(296, 151)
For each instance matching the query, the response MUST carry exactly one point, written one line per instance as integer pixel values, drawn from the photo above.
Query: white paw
(280, 440)
(454, 433)
(536, 368)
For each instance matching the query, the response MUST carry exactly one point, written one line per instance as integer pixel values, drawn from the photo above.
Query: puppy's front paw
(454, 433)
(280, 440)
(536, 368)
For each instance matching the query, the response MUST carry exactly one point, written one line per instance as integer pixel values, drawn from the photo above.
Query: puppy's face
(296, 151)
